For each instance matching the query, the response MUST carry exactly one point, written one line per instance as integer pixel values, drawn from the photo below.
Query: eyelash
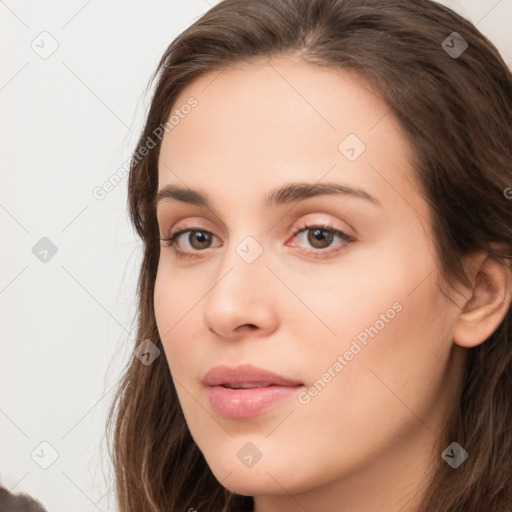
(318, 253)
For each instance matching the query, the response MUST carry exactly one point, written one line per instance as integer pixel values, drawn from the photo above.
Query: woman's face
(351, 314)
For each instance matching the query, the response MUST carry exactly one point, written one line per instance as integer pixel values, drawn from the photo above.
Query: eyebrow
(285, 194)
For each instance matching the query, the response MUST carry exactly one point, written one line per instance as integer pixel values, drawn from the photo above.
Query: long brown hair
(455, 110)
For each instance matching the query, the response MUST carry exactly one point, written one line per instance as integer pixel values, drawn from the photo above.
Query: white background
(67, 123)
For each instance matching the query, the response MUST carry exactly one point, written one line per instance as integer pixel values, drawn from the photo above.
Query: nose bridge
(242, 263)
(243, 246)
(240, 294)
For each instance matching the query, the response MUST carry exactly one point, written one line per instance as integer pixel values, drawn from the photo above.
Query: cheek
(175, 302)
(394, 346)
(374, 291)
(387, 390)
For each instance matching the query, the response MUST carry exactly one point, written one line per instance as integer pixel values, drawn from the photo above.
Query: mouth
(246, 391)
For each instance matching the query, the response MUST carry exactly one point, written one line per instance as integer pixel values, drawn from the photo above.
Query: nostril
(240, 328)
(247, 326)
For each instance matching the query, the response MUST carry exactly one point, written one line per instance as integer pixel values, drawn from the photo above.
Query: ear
(487, 302)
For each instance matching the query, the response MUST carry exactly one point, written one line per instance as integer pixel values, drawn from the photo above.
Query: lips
(246, 391)
(246, 376)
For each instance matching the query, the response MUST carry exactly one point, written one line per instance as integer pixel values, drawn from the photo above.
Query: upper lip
(246, 374)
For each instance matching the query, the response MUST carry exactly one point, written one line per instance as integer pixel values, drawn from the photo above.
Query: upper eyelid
(185, 223)
(295, 228)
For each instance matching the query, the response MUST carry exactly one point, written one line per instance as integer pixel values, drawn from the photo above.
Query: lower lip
(244, 403)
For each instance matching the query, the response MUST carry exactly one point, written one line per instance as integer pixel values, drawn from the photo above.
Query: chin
(268, 476)
(248, 483)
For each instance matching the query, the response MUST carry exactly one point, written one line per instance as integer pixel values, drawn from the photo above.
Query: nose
(240, 300)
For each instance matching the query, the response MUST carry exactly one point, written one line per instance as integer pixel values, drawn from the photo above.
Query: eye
(320, 237)
(198, 239)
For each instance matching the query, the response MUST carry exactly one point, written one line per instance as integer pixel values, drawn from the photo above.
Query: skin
(369, 439)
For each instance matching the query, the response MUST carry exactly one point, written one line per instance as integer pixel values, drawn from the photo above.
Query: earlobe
(488, 303)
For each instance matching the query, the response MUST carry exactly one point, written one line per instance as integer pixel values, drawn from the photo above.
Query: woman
(322, 191)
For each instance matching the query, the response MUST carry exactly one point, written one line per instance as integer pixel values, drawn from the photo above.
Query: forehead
(257, 125)
(282, 103)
